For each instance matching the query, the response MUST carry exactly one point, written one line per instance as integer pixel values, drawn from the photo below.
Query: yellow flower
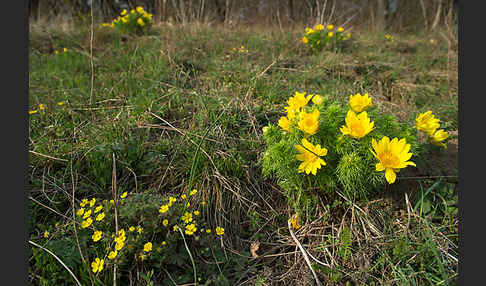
(124, 195)
(46, 234)
(330, 27)
(309, 154)
(296, 102)
(208, 230)
(147, 247)
(196, 212)
(86, 223)
(219, 230)
(348, 35)
(188, 204)
(112, 202)
(143, 256)
(187, 217)
(175, 228)
(112, 254)
(87, 214)
(165, 222)
(132, 228)
(193, 192)
(57, 52)
(140, 10)
(83, 203)
(42, 106)
(203, 203)
(140, 22)
(427, 122)
(357, 126)
(317, 99)
(183, 196)
(80, 212)
(359, 102)
(330, 34)
(96, 235)
(124, 20)
(124, 12)
(171, 201)
(100, 216)
(295, 221)
(319, 27)
(340, 29)
(132, 11)
(309, 122)
(92, 202)
(163, 209)
(164, 243)
(284, 122)
(308, 31)
(97, 265)
(305, 40)
(119, 245)
(121, 236)
(437, 137)
(190, 229)
(65, 49)
(32, 111)
(139, 229)
(98, 208)
(392, 155)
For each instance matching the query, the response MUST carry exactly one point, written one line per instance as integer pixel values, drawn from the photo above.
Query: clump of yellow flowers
(324, 36)
(320, 144)
(136, 21)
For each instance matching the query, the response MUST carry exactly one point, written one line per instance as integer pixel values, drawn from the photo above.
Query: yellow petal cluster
(309, 155)
(438, 136)
(359, 102)
(427, 123)
(357, 126)
(309, 122)
(392, 156)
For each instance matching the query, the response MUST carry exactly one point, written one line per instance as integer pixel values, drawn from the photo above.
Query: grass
(161, 98)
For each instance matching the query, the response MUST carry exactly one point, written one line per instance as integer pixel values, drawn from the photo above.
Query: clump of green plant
(321, 37)
(322, 147)
(137, 21)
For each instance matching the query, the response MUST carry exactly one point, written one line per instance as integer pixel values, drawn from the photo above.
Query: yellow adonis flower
(171, 201)
(100, 216)
(309, 122)
(83, 203)
(163, 209)
(119, 245)
(190, 229)
(296, 102)
(139, 229)
(175, 228)
(309, 154)
(208, 230)
(86, 223)
(219, 230)
(348, 35)
(295, 221)
(183, 196)
(80, 212)
(330, 34)
(193, 192)
(132, 228)
(46, 234)
(317, 99)
(32, 111)
(98, 208)
(196, 212)
(97, 265)
(340, 29)
(124, 12)
(140, 22)
(284, 122)
(92, 202)
(308, 31)
(187, 217)
(359, 102)
(392, 155)
(165, 222)
(427, 122)
(140, 10)
(42, 106)
(330, 27)
(96, 235)
(319, 27)
(87, 214)
(357, 126)
(147, 247)
(112, 254)
(437, 137)
(305, 40)
(164, 243)
(124, 195)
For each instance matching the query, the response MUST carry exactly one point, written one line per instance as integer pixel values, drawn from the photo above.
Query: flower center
(389, 160)
(357, 128)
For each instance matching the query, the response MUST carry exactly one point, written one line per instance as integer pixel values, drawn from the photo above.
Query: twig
(47, 156)
(58, 259)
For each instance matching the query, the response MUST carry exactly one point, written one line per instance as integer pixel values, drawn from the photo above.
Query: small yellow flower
(190, 229)
(140, 10)
(124, 12)
(392, 155)
(305, 40)
(147, 247)
(100, 216)
(32, 111)
(132, 11)
(172, 200)
(357, 126)
(46, 234)
(219, 230)
(124, 195)
(193, 192)
(196, 213)
(165, 222)
(124, 20)
(57, 52)
(330, 34)
(183, 196)
(175, 228)
(143, 257)
(97, 265)
(86, 223)
(340, 29)
(163, 209)
(98, 208)
(426, 122)
(330, 27)
(188, 204)
(140, 22)
(309, 154)
(437, 138)
(164, 243)
(308, 31)
(309, 122)
(317, 99)
(359, 102)
(119, 245)
(42, 106)
(203, 203)
(87, 214)
(208, 230)
(284, 122)
(83, 203)
(296, 102)
(295, 221)
(348, 35)
(80, 212)
(187, 217)
(112, 254)
(92, 202)
(139, 229)
(60, 103)
(319, 27)
(132, 228)
(96, 235)
(112, 202)
(65, 50)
